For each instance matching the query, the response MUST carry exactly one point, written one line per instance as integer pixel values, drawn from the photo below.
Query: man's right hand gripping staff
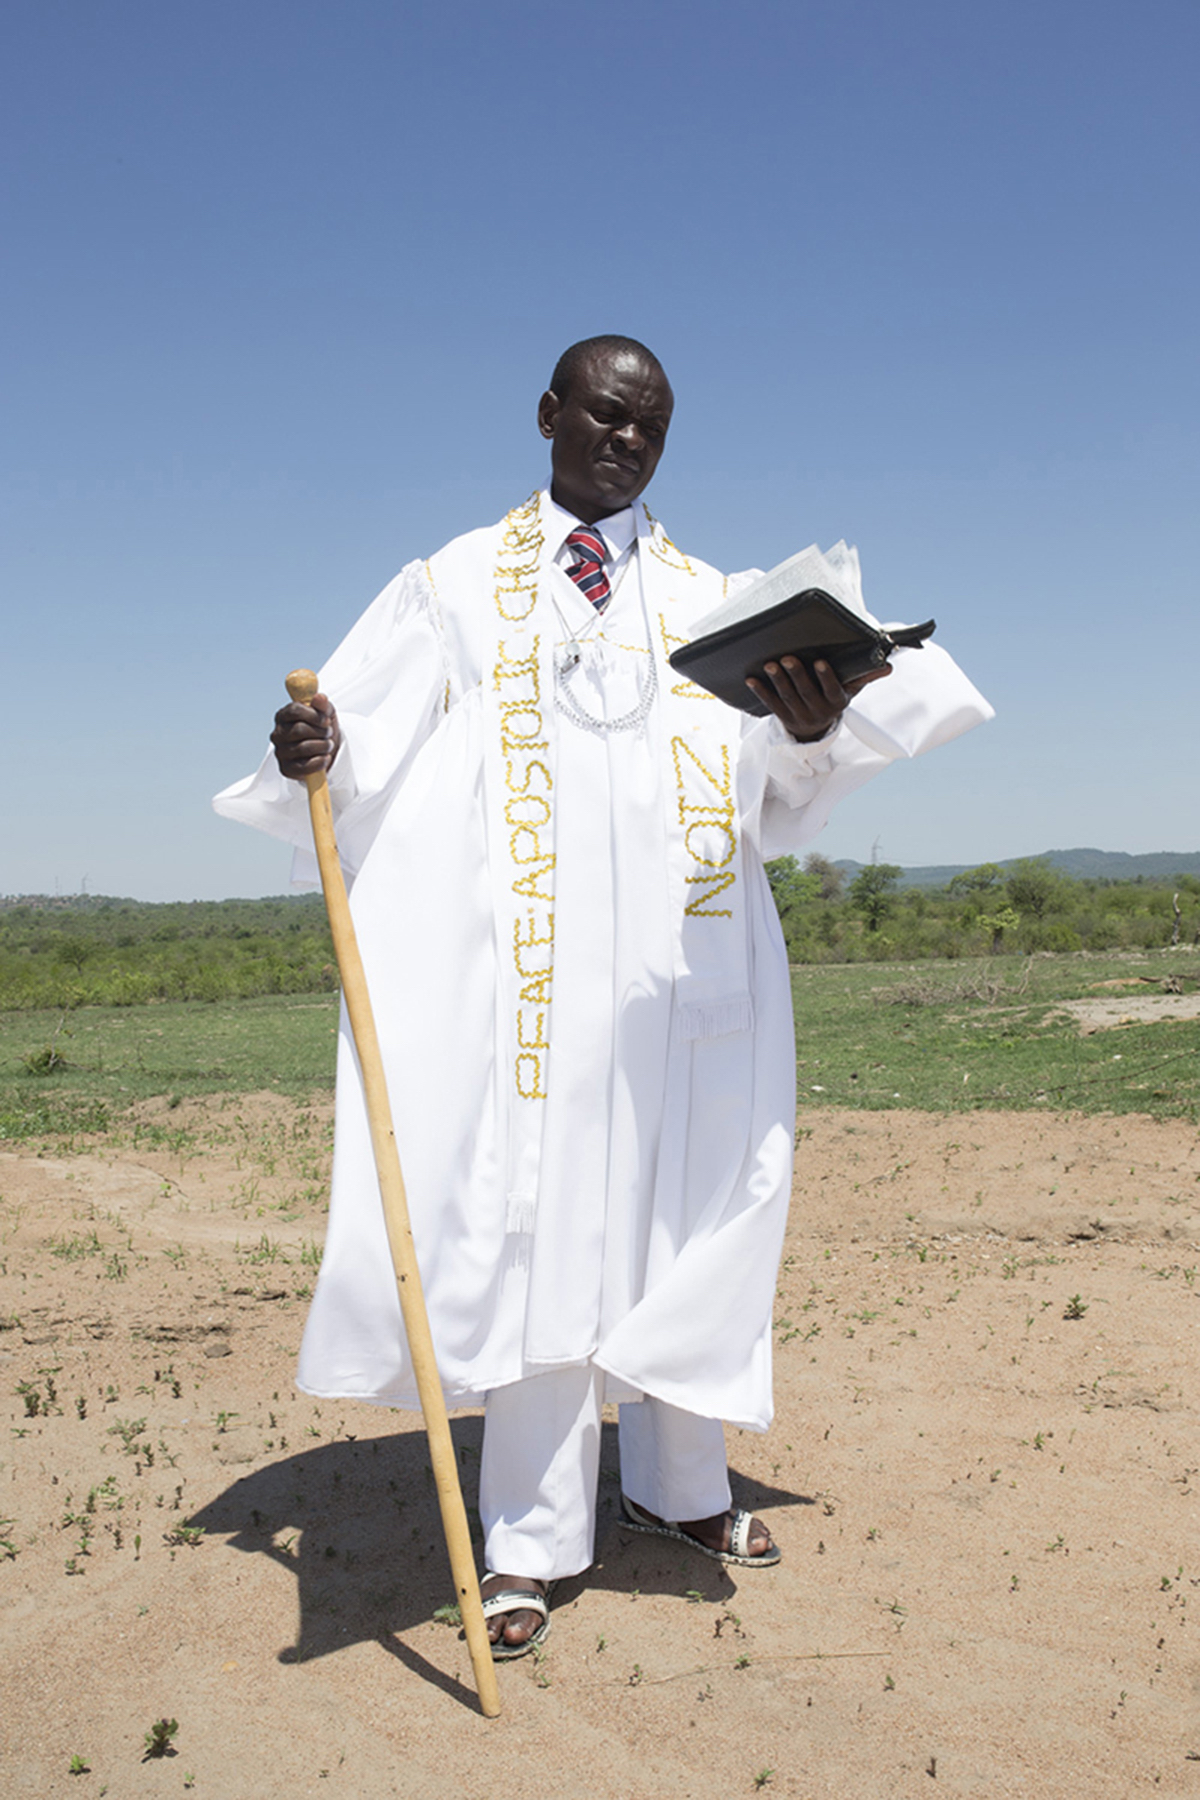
(306, 738)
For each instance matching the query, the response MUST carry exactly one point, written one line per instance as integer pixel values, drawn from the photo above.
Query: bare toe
(759, 1539)
(516, 1627)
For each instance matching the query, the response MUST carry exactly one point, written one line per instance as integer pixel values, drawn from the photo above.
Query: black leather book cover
(810, 625)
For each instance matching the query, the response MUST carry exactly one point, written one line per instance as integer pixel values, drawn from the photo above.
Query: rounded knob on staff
(301, 685)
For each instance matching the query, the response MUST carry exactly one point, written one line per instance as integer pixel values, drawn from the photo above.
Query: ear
(547, 413)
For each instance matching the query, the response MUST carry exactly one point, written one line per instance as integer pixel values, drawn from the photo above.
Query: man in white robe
(556, 852)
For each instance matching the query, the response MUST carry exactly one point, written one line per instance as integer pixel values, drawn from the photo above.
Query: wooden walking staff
(302, 686)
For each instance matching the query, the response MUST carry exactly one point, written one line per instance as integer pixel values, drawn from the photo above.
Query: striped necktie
(588, 573)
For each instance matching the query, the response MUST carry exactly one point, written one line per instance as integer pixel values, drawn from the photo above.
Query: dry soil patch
(983, 1475)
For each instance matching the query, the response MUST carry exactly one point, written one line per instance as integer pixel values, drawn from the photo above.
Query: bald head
(574, 359)
(606, 414)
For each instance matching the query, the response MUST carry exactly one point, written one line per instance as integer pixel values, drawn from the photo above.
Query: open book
(809, 607)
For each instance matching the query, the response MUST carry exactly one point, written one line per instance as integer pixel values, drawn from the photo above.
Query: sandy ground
(1129, 1009)
(987, 1506)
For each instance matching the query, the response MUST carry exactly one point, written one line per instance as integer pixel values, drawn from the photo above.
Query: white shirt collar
(618, 530)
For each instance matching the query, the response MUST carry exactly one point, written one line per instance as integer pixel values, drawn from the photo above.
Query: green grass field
(938, 1036)
(951, 1037)
(112, 1056)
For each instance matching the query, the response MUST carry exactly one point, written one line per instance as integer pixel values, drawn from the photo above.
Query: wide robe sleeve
(788, 790)
(390, 681)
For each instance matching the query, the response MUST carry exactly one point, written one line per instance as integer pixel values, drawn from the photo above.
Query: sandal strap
(739, 1535)
(740, 1522)
(515, 1600)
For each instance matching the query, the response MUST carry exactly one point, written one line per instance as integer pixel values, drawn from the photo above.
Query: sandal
(512, 1600)
(637, 1519)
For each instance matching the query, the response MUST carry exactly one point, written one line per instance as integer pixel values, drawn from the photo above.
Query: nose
(630, 436)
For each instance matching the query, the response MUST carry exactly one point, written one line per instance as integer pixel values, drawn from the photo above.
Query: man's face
(607, 436)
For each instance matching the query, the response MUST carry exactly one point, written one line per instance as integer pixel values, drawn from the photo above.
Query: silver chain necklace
(566, 703)
(566, 660)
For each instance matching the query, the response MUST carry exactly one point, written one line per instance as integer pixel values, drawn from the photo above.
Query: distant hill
(1095, 865)
(201, 917)
(191, 915)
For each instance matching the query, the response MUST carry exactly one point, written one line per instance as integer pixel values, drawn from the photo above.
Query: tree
(791, 889)
(831, 878)
(980, 880)
(870, 892)
(1035, 886)
(1002, 920)
(73, 951)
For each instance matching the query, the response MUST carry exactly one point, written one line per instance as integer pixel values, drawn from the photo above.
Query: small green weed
(73, 1249)
(106, 1493)
(265, 1251)
(188, 1535)
(40, 1396)
(31, 1394)
(128, 1430)
(158, 1738)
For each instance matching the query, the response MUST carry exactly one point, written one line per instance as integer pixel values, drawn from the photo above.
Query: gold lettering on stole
(708, 814)
(529, 788)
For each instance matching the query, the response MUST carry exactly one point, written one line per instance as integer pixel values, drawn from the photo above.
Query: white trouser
(541, 1461)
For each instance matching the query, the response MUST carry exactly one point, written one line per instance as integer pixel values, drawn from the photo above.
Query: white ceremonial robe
(604, 1174)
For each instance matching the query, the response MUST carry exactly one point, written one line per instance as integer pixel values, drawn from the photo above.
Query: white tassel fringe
(717, 1018)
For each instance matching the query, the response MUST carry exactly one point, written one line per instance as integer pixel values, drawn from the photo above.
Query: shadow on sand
(356, 1521)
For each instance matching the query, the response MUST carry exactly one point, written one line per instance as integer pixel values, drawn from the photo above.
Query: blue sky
(284, 281)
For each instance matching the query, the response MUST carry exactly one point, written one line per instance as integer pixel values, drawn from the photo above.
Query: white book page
(836, 570)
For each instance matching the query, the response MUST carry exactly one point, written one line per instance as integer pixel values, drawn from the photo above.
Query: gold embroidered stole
(699, 738)
(709, 920)
(519, 725)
